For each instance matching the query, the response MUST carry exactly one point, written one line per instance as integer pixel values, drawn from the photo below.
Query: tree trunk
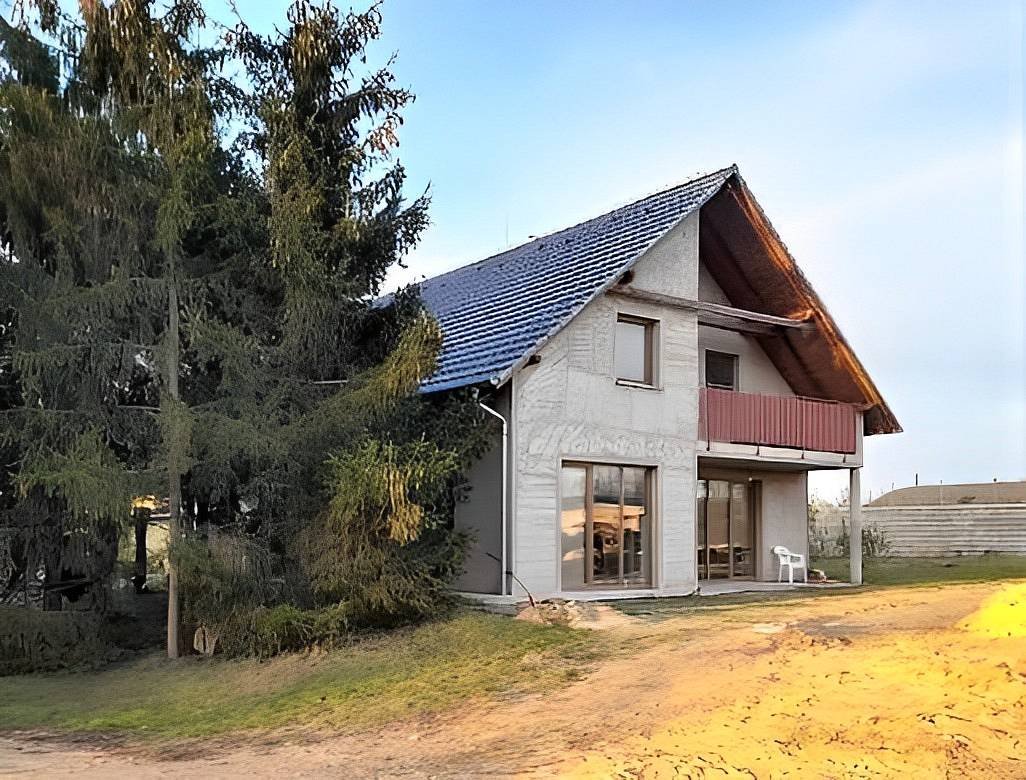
(174, 524)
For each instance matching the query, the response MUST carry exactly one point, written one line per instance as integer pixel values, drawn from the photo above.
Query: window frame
(651, 472)
(651, 362)
(736, 382)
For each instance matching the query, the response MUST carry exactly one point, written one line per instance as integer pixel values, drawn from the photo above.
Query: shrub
(384, 546)
(286, 628)
(230, 588)
(34, 640)
(223, 580)
(875, 542)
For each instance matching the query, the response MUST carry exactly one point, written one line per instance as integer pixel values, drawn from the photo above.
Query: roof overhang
(750, 263)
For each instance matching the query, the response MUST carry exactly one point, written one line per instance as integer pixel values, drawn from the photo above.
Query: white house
(665, 378)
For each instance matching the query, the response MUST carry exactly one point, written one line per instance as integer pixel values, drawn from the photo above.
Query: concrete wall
(569, 406)
(784, 517)
(933, 531)
(479, 512)
(781, 515)
(708, 290)
(756, 372)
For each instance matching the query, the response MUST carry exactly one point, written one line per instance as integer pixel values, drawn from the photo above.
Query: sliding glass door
(606, 524)
(726, 530)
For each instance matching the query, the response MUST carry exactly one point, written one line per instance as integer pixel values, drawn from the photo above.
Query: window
(720, 370)
(634, 350)
(726, 528)
(606, 526)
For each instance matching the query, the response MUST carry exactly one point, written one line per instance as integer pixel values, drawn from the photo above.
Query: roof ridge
(729, 170)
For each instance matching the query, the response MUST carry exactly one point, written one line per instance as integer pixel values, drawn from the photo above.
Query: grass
(432, 668)
(930, 571)
(427, 669)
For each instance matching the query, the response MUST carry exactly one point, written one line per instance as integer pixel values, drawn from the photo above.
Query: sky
(883, 139)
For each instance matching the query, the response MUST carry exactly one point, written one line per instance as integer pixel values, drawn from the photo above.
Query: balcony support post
(855, 537)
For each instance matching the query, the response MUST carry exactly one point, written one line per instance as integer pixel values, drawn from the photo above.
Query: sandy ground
(916, 683)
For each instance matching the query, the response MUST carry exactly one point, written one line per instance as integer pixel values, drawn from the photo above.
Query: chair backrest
(780, 550)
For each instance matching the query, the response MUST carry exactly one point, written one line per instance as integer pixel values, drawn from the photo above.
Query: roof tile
(495, 312)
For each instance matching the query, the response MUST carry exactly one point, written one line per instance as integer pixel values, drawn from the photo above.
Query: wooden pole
(855, 538)
(174, 524)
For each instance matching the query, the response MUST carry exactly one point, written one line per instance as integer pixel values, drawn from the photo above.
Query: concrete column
(855, 537)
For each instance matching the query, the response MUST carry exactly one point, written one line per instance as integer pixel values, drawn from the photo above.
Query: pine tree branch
(89, 345)
(42, 410)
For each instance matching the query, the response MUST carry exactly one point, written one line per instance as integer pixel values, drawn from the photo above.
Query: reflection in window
(573, 492)
(726, 529)
(606, 526)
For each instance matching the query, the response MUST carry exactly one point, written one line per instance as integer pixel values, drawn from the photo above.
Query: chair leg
(790, 574)
(780, 573)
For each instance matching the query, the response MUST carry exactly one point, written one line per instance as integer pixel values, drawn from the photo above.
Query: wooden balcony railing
(776, 421)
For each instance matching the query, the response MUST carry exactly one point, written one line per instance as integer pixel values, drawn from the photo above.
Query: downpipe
(505, 477)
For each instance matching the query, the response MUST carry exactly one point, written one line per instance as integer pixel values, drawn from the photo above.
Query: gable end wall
(568, 406)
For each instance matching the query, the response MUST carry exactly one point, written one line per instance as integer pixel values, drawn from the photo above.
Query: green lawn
(430, 668)
(427, 669)
(925, 571)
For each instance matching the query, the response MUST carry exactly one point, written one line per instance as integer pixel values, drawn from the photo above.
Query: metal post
(855, 538)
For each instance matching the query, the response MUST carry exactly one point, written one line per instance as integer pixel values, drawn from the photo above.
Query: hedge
(33, 640)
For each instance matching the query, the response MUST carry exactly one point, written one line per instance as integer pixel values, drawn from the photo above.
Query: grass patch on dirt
(879, 573)
(426, 669)
(930, 571)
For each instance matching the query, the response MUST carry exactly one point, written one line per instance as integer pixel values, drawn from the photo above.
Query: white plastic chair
(792, 561)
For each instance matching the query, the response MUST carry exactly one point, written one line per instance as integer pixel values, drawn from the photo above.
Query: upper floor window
(720, 370)
(634, 349)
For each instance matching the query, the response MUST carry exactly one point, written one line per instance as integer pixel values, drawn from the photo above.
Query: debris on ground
(575, 614)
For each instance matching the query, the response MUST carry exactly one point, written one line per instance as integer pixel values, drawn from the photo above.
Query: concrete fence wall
(928, 531)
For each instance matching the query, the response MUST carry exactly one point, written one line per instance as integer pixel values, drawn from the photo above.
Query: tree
(193, 304)
(100, 165)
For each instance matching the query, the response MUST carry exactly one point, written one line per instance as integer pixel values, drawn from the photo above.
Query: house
(665, 378)
(942, 520)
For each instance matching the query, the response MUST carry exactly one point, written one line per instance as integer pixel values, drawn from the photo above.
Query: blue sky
(884, 140)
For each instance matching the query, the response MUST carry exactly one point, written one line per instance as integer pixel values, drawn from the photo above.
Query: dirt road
(913, 683)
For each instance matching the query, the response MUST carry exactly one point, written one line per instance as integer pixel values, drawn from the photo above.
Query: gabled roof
(751, 264)
(497, 312)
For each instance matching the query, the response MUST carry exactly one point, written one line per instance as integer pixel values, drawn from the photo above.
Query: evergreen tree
(192, 308)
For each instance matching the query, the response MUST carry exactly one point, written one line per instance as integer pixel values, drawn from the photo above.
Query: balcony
(776, 421)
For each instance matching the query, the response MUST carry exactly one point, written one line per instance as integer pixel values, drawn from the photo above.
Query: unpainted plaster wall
(569, 406)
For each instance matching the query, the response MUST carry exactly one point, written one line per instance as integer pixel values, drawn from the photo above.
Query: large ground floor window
(606, 525)
(726, 529)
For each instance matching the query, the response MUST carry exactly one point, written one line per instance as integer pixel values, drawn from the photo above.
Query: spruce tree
(191, 304)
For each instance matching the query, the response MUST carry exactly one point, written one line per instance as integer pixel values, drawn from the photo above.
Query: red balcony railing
(776, 421)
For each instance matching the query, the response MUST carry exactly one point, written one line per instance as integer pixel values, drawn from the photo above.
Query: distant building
(939, 520)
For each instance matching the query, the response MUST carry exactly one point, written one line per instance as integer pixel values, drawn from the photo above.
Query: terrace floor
(510, 605)
(726, 587)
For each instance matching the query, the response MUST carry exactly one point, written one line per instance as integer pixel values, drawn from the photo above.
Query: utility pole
(174, 523)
